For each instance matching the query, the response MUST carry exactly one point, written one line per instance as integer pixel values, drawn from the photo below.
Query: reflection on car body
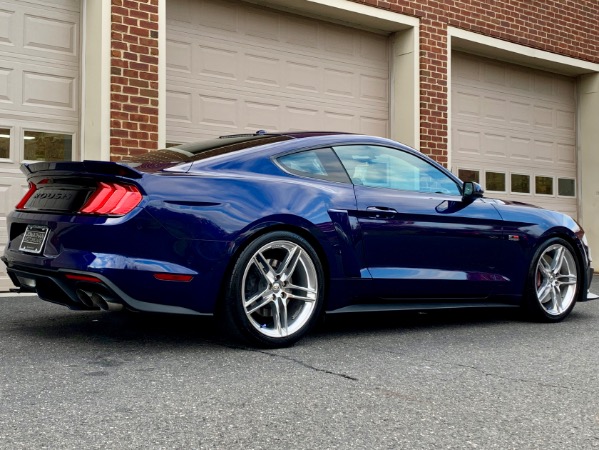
(268, 231)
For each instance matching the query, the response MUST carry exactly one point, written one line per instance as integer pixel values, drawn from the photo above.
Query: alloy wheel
(279, 289)
(556, 279)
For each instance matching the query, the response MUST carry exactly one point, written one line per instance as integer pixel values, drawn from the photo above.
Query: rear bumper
(125, 255)
(88, 291)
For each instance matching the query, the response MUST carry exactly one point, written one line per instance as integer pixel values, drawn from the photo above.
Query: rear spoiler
(79, 168)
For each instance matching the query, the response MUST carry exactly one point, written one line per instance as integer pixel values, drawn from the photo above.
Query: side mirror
(471, 191)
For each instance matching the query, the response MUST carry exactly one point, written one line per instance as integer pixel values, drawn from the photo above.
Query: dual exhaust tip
(96, 300)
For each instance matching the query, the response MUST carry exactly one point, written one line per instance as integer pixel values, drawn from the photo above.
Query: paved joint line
(288, 358)
(301, 363)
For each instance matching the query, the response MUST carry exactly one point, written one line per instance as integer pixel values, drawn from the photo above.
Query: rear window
(196, 151)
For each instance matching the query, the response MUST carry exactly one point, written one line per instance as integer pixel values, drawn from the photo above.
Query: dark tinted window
(196, 151)
(321, 163)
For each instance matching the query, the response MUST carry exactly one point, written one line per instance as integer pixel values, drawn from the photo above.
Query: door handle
(380, 211)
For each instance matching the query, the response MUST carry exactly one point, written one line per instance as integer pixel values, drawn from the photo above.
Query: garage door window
(566, 187)
(520, 183)
(469, 175)
(5, 143)
(495, 181)
(543, 185)
(43, 146)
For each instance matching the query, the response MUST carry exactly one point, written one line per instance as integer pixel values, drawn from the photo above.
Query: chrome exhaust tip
(86, 298)
(105, 303)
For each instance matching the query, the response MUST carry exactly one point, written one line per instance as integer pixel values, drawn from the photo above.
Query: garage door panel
(502, 109)
(39, 89)
(39, 31)
(50, 33)
(7, 29)
(49, 90)
(7, 85)
(233, 66)
(306, 78)
(511, 121)
(29, 86)
(232, 109)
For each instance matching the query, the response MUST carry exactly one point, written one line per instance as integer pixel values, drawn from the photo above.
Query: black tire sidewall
(233, 309)
(531, 304)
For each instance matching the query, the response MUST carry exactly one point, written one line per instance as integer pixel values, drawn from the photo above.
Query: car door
(420, 239)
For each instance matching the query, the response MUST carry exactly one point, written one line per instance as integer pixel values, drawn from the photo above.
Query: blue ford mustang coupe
(268, 231)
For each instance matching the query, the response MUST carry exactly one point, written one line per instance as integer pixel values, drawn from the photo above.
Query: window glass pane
(521, 183)
(42, 146)
(544, 185)
(4, 142)
(395, 169)
(321, 164)
(469, 175)
(566, 187)
(495, 181)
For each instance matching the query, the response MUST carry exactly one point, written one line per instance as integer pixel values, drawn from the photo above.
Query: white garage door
(514, 131)
(39, 93)
(234, 67)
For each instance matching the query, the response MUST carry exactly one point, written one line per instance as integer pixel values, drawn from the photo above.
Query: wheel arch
(579, 253)
(269, 227)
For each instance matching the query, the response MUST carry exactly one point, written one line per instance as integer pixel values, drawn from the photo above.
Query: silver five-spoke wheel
(556, 279)
(279, 288)
(276, 289)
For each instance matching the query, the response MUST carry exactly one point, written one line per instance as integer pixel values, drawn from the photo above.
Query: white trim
(95, 84)
(369, 11)
(449, 104)
(105, 82)
(161, 74)
(516, 53)
(82, 74)
(345, 12)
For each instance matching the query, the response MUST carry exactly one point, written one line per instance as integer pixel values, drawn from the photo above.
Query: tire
(554, 281)
(276, 291)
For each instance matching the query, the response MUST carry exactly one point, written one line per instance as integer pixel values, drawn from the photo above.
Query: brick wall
(566, 27)
(134, 78)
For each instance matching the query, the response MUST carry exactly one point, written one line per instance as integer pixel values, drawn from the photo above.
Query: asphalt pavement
(464, 379)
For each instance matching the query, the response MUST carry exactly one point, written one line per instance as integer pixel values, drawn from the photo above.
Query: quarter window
(321, 163)
(391, 168)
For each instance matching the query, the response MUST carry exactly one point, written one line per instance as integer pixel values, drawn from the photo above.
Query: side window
(391, 168)
(321, 163)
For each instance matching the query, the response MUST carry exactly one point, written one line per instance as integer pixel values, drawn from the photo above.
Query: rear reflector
(173, 277)
(112, 199)
(76, 277)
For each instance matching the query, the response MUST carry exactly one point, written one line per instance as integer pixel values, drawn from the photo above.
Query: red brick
(564, 28)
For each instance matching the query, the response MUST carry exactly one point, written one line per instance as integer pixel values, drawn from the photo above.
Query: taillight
(25, 199)
(112, 199)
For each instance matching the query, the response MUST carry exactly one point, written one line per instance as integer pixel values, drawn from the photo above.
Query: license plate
(34, 238)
